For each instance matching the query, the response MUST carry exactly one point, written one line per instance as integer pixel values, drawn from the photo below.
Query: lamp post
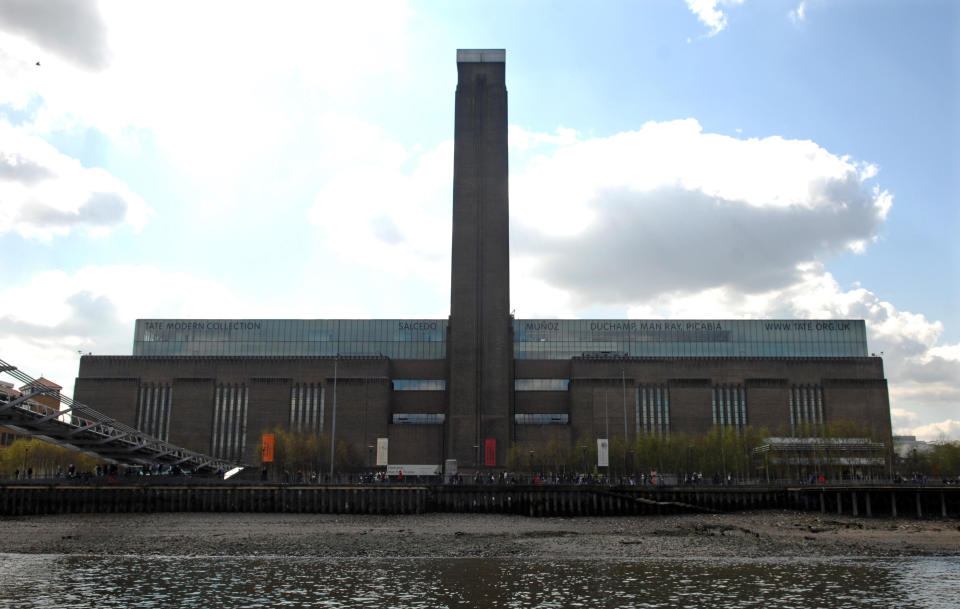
(606, 418)
(623, 381)
(723, 454)
(333, 426)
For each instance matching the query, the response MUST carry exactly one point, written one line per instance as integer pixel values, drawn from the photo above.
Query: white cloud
(347, 141)
(711, 210)
(49, 318)
(74, 31)
(933, 432)
(709, 12)
(45, 193)
(119, 292)
(224, 86)
(521, 140)
(799, 13)
(394, 201)
(901, 418)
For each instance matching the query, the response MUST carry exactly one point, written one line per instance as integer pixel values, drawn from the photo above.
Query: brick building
(470, 386)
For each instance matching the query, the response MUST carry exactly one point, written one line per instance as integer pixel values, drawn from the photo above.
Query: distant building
(7, 393)
(469, 387)
(833, 458)
(49, 393)
(908, 446)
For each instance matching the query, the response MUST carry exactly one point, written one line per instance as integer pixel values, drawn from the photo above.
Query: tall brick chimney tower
(480, 353)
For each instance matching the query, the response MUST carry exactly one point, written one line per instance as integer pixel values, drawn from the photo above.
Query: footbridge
(80, 427)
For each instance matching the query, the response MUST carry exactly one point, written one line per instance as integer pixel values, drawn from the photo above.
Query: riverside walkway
(897, 501)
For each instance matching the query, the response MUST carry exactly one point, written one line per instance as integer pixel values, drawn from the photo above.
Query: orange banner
(266, 453)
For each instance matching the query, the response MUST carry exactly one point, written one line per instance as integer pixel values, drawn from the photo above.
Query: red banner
(490, 452)
(266, 453)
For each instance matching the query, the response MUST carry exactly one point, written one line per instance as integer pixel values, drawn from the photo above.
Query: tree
(306, 452)
(44, 458)
(515, 458)
(943, 461)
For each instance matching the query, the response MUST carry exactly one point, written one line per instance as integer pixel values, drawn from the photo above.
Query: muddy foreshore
(745, 534)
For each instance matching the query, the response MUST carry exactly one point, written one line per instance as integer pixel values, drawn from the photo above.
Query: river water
(82, 581)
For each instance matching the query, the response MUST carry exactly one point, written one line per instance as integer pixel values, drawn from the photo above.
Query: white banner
(603, 453)
(450, 467)
(413, 470)
(381, 451)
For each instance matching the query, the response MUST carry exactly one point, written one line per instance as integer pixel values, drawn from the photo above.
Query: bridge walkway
(80, 427)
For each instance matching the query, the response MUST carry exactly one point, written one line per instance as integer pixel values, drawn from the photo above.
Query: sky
(697, 159)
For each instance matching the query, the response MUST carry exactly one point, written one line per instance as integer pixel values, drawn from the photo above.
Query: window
(419, 419)
(541, 419)
(541, 384)
(419, 385)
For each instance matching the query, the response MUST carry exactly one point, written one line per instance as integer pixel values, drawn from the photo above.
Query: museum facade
(467, 388)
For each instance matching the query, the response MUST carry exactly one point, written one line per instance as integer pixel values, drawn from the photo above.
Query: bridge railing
(80, 427)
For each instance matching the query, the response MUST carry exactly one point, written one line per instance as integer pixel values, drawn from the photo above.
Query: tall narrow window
(215, 431)
(729, 406)
(793, 424)
(653, 409)
(743, 407)
(231, 405)
(636, 409)
(713, 404)
(306, 408)
(805, 404)
(643, 409)
(154, 403)
(820, 406)
(666, 412)
(736, 408)
(293, 406)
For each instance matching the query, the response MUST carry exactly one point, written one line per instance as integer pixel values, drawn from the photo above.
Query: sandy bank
(750, 534)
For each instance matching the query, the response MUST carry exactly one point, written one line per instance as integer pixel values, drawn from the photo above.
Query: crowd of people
(486, 477)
